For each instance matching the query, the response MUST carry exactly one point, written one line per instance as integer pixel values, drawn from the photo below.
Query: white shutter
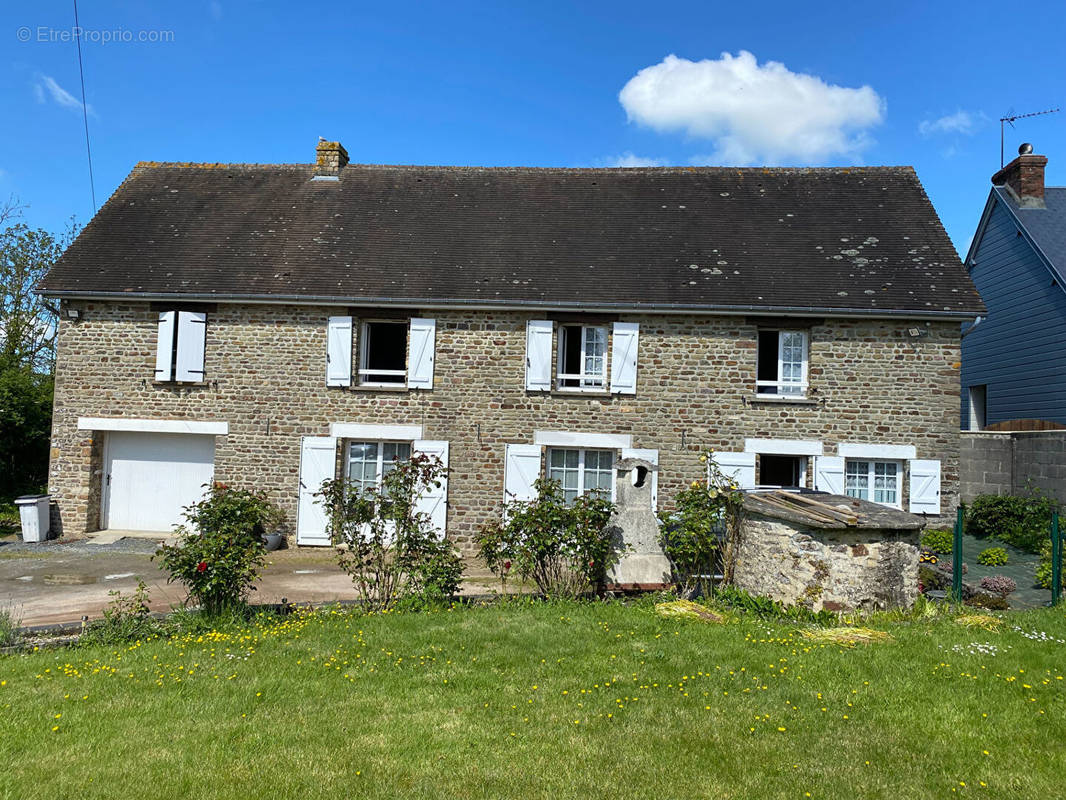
(521, 469)
(829, 474)
(539, 355)
(653, 457)
(318, 463)
(164, 347)
(434, 500)
(192, 336)
(740, 467)
(925, 487)
(624, 358)
(339, 351)
(421, 343)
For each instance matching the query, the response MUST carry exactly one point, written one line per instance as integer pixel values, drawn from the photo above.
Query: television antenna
(1010, 121)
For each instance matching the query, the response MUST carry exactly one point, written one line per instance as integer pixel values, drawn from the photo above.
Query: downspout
(977, 321)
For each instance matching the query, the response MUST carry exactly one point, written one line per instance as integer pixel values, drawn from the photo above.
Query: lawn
(534, 700)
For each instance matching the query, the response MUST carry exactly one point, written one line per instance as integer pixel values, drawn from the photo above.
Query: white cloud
(962, 122)
(46, 87)
(630, 159)
(754, 113)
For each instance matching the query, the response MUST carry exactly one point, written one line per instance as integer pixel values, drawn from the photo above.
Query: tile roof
(851, 240)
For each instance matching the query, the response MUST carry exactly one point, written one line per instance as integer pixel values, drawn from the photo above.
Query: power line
(84, 107)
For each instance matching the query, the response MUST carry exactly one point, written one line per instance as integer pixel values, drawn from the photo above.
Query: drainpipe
(977, 321)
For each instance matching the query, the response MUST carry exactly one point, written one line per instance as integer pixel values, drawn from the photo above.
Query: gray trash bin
(34, 516)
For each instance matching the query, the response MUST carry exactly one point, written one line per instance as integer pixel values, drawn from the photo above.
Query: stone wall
(871, 381)
(1008, 463)
(832, 569)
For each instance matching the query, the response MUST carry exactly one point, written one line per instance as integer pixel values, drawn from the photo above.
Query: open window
(582, 362)
(877, 481)
(782, 364)
(383, 353)
(782, 471)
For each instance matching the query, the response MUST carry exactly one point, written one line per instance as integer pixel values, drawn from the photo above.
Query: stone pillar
(635, 529)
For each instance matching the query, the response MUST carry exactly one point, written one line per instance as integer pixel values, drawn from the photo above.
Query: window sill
(581, 393)
(400, 387)
(179, 384)
(776, 398)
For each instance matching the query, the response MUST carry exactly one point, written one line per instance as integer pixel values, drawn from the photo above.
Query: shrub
(219, 551)
(565, 549)
(9, 628)
(992, 557)
(998, 584)
(127, 618)
(1020, 520)
(690, 535)
(1043, 570)
(392, 551)
(938, 541)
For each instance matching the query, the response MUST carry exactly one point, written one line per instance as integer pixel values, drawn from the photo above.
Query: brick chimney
(1024, 177)
(330, 158)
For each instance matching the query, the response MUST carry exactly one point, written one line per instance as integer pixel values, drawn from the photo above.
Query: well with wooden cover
(827, 551)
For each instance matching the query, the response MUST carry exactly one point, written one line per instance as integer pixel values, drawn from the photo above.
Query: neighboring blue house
(1014, 359)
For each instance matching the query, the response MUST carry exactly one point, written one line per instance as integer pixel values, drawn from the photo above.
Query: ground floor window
(368, 462)
(580, 471)
(782, 471)
(873, 480)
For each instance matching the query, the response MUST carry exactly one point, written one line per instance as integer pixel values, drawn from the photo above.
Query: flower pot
(273, 540)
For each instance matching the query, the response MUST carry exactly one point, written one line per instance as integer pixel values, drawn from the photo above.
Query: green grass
(541, 701)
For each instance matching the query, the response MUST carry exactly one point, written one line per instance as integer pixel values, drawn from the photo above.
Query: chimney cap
(1025, 149)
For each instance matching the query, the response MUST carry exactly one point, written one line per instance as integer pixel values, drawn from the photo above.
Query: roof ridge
(903, 168)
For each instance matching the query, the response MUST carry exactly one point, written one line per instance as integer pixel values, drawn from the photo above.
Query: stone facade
(837, 570)
(871, 381)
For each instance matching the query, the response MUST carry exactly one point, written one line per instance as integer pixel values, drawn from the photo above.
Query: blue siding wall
(1019, 351)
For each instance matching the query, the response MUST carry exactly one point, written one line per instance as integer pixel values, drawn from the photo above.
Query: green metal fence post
(1056, 559)
(956, 558)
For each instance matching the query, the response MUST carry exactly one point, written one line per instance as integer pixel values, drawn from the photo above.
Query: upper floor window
(581, 471)
(782, 364)
(391, 353)
(369, 462)
(579, 355)
(582, 362)
(873, 480)
(383, 354)
(180, 346)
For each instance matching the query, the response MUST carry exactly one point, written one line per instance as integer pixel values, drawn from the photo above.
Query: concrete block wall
(1007, 463)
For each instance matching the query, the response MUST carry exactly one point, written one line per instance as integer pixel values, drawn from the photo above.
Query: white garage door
(150, 477)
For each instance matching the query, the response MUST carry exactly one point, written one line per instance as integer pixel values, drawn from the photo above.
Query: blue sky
(536, 84)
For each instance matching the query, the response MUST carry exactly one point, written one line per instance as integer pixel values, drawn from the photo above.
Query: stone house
(276, 325)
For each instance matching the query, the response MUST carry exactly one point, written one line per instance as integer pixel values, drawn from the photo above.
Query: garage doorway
(149, 478)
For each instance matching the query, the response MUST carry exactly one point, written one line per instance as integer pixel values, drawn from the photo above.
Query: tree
(27, 352)
(27, 321)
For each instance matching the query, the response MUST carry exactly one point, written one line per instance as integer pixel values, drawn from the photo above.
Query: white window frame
(364, 342)
(796, 390)
(581, 488)
(871, 476)
(380, 456)
(587, 382)
(804, 465)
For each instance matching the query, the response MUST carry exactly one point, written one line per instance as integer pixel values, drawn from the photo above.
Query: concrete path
(60, 582)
